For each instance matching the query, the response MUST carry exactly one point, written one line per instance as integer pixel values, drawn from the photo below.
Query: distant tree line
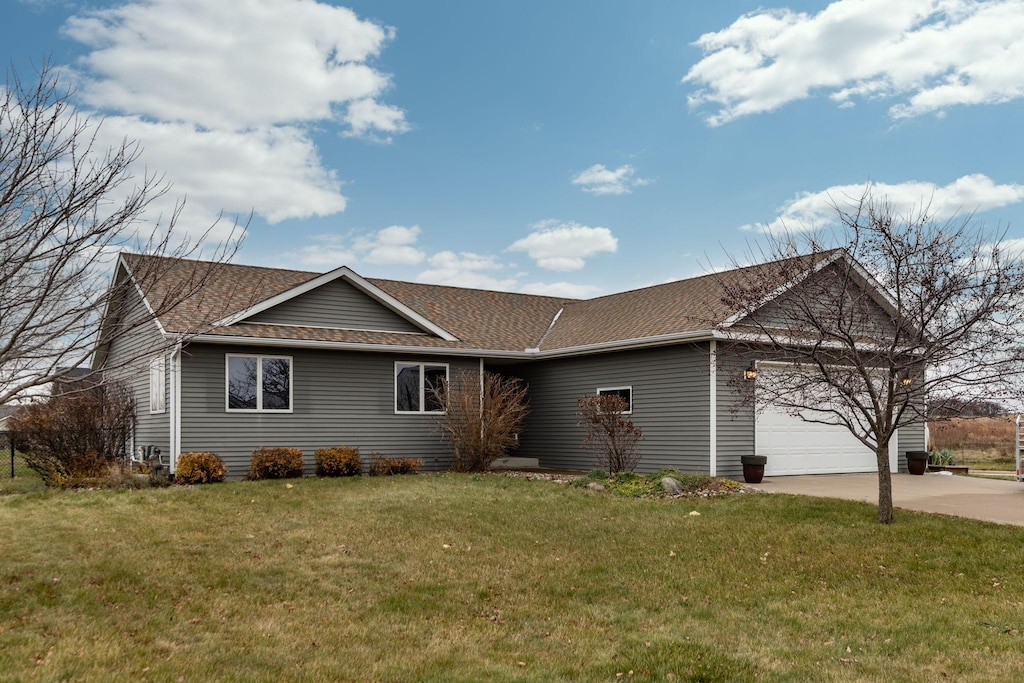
(955, 407)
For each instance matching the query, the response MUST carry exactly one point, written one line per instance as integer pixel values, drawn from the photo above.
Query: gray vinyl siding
(735, 416)
(336, 304)
(339, 398)
(783, 312)
(910, 438)
(671, 403)
(128, 362)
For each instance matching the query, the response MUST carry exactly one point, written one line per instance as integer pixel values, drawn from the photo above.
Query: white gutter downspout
(713, 439)
(172, 458)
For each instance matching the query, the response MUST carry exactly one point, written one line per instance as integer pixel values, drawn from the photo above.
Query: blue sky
(571, 148)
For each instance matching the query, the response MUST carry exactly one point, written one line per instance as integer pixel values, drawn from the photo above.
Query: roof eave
(527, 354)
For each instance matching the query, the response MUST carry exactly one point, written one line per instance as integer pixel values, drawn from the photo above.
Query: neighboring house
(275, 357)
(75, 381)
(6, 415)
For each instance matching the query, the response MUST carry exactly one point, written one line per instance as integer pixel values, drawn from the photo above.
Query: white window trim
(158, 377)
(601, 390)
(423, 387)
(259, 383)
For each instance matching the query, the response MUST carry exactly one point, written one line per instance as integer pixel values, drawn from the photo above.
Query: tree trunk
(885, 515)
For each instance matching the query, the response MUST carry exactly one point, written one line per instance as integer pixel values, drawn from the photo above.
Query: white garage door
(797, 447)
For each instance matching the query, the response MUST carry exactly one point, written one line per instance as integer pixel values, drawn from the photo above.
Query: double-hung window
(416, 386)
(259, 383)
(158, 385)
(625, 393)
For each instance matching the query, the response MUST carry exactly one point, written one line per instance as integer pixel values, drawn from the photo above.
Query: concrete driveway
(985, 499)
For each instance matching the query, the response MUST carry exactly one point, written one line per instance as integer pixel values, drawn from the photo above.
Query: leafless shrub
(482, 417)
(610, 433)
(71, 438)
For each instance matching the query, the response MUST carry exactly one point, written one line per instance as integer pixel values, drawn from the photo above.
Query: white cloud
(275, 171)
(394, 244)
(601, 180)
(466, 269)
(371, 119)
(969, 193)
(556, 245)
(224, 113)
(565, 289)
(232, 65)
(934, 53)
(322, 258)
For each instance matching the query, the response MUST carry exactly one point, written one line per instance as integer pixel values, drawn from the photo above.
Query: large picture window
(625, 393)
(259, 383)
(158, 385)
(415, 387)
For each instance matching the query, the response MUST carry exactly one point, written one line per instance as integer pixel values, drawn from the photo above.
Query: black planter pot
(917, 462)
(753, 468)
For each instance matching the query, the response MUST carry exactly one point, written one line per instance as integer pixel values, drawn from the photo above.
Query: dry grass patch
(471, 578)
(979, 442)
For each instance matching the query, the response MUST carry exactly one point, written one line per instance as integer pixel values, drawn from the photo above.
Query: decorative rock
(671, 486)
(594, 486)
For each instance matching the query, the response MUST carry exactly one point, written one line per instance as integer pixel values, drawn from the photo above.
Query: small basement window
(259, 383)
(415, 386)
(625, 393)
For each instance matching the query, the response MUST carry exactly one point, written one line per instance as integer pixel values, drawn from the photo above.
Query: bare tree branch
(881, 320)
(68, 207)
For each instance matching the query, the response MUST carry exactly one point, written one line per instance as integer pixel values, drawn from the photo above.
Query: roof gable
(815, 299)
(336, 304)
(339, 299)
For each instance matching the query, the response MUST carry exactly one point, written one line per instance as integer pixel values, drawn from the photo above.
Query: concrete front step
(514, 463)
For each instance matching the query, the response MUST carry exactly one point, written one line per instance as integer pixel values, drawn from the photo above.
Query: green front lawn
(455, 577)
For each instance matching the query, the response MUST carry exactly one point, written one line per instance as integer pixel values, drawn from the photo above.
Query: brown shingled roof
(480, 319)
(492, 320)
(674, 308)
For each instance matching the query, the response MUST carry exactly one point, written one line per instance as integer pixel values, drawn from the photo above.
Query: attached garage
(795, 446)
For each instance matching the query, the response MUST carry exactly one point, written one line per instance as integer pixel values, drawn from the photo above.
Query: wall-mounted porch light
(906, 380)
(750, 372)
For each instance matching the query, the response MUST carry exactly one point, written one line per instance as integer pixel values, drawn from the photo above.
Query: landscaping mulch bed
(713, 488)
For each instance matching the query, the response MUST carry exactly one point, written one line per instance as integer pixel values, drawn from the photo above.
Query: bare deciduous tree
(482, 417)
(879, 319)
(67, 207)
(610, 432)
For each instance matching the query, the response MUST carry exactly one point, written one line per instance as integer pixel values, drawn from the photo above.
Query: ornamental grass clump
(341, 461)
(200, 468)
(275, 463)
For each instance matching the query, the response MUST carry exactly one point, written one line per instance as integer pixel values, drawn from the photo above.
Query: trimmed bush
(275, 463)
(200, 468)
(341, 461)
(382, 465)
